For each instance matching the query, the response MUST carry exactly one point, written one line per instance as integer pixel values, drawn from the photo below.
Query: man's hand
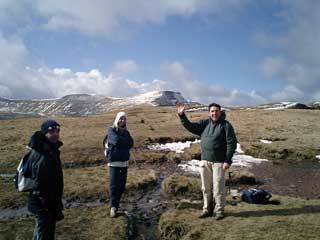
(180, 108)
(225, 166)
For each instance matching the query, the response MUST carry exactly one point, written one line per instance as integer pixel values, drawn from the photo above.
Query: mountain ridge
(86, 104)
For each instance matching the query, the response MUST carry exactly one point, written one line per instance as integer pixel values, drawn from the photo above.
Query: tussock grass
(79, 223)
(82, 136)
(10, 197)
(295, 138)
(292, 219)
(92, 183)
(82, 184)
(190, 187)
(182, 186)
(294, 133)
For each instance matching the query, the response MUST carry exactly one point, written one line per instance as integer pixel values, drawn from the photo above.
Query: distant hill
(85, 104)
(284, 105)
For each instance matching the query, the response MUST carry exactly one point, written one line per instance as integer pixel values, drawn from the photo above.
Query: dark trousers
(118, 179)
(45, 226)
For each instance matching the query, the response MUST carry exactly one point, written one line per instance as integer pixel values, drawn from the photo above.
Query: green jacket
(218, 140)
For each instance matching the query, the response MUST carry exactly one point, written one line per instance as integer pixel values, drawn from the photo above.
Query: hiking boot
(218, 216)
(205, 214)
(113, 212)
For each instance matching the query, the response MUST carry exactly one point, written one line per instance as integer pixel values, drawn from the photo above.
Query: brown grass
(79, 223)
(92, 183)
(294, 133)
(10, 197)
(292, 219)
(83, 184)
(182, 186)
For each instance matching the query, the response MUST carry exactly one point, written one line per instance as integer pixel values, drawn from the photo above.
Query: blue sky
(228, 51)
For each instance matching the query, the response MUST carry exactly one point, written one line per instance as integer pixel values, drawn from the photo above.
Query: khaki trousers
(213, 186)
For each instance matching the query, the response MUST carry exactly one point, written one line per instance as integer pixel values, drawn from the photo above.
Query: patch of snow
(197, 109)
(242, 160)
(265, 141)
(177, 147)
(283, 105)
(239, 160)
(191, 166)
(318, 156)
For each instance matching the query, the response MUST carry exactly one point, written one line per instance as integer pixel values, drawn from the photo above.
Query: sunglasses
(54, 127)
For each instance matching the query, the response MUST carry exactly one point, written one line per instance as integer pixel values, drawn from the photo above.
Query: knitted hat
(48, 125)
(119, 115)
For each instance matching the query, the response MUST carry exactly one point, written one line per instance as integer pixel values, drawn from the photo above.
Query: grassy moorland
(295, 139)
(82, 184)
(79, 223)
(292, 219)
(294, 134)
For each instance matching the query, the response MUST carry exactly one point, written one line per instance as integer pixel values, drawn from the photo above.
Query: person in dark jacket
(118, 143)
(218, 144)
(45, 199)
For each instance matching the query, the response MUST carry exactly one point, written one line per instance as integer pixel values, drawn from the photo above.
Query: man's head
(121, 120)
(51, 129)
(214, 111)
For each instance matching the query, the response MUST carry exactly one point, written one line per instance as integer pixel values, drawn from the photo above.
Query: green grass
(292, 219)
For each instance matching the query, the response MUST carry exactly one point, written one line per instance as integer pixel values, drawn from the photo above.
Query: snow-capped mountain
(85, 104)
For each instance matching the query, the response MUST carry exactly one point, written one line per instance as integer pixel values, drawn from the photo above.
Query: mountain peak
(87, 104)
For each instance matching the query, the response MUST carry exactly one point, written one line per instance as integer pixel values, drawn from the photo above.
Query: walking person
(118, 143)
(218, 144)
(45, 199)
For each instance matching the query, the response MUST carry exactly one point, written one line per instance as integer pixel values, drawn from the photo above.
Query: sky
(233, 52)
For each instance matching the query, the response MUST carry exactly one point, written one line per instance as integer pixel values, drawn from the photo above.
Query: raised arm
(193, 127)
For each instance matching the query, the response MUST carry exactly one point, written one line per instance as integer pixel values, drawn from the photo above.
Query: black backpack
(256, 196)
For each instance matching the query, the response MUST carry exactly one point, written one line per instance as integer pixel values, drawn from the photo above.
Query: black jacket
(45, 166)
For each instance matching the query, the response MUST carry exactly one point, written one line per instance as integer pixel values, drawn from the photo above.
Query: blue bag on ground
(256, 196)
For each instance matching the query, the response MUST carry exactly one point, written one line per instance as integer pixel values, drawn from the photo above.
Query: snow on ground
(265, 141)
(177, 147)
(318, 156)
(283, 105)
(239, 159)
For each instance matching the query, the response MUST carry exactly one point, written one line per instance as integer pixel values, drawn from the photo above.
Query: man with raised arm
(218, 144)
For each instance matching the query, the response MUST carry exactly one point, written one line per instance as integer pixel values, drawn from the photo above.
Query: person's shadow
(278, 212)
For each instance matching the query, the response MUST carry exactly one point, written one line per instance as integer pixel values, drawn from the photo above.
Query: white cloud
(289, 93)
(299, 47)
(184, 81)
(4, 91)
(125, 67)
(106, 18)
(272, 66)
